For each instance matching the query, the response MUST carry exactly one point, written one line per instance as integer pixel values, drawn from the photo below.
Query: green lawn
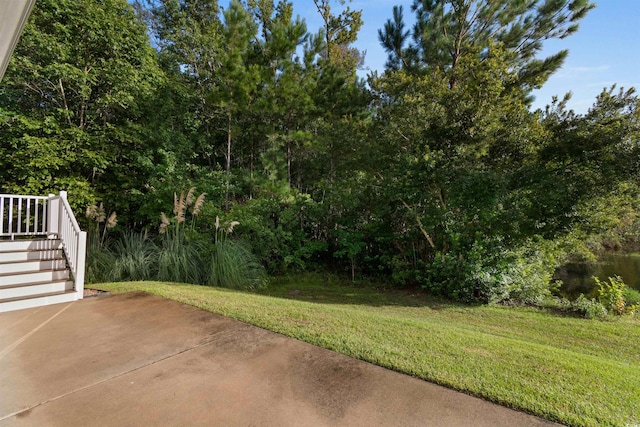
(570, 370)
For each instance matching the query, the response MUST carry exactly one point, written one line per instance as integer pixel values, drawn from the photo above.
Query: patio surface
(140, 360)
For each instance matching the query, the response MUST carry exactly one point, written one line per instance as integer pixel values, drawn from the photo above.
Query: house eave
(13, 16)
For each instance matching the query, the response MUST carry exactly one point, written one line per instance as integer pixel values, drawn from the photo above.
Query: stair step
(29, 245)
(31, 266)
(30, 255)
(35, 289)
(11, 304)
(33, 277)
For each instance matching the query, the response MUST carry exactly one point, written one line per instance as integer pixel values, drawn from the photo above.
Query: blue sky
(605, 50)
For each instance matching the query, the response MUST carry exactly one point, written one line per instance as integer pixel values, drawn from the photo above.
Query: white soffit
(13, 16)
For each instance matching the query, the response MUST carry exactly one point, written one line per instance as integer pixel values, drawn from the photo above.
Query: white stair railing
(63, 224)
(38, 216)
(23, 216)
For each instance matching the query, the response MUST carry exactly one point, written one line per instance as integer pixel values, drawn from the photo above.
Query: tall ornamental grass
(99, 258)
(134, 257)
(231, 264)
(179, 254)
(180, 259)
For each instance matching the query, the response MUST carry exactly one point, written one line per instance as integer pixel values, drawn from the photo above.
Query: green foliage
(493, 273)
(133, 256)
(99, 260)
(453, 174)
(180, 258)
(283, 232)
(631, 297)
(448, 30)
(437, 174)
(181, 253)
(632, 301)
(491, 192)
(350, 245)
(233, 266)
(589, 308)
(339, 32)
(71, 97)
(611, 294)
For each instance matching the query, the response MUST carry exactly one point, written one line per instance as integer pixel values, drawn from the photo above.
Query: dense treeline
(434, 172)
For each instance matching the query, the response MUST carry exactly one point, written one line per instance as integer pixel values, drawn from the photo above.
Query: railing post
(80, 264)
(61, 217)
(53, 214)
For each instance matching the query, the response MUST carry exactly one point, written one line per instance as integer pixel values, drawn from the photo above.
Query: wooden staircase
(33, 272)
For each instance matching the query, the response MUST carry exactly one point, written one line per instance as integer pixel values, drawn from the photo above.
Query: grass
(570, 370)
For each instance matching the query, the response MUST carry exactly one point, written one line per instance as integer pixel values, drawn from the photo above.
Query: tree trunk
(228, 168)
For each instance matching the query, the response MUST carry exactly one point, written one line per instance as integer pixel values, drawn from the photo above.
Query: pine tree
(446, 30)
(339, 32)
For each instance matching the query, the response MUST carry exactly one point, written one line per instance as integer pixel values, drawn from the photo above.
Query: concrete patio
(140, 360)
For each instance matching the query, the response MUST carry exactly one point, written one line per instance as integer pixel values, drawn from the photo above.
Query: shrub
(283, 232)
(492, 273)
(632, 299)
(99, 261)
(611, 294)
(99, 257)
(183, 253)
(589, 308)
(631, 296)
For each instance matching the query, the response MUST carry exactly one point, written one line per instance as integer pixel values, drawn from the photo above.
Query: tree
(237, 77)
(188, 34)
(452, 155)
(70, 101)
(447, 30)
(585, 159)
(339, 32)
(285, 103)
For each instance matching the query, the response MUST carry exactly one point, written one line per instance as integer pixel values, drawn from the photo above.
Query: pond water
(577, 277)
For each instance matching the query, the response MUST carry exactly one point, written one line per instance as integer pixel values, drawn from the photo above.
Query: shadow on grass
(331, 289)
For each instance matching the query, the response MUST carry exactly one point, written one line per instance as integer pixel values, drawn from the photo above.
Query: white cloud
(606, 84)
(576, 71)
(594, 69)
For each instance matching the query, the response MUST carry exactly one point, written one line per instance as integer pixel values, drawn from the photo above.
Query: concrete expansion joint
(104, 380)
(12, 347)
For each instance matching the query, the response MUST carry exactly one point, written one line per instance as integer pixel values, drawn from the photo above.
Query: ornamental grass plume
(175, 204)
(198, 204)
(231, 225)
(222, 231)
(92, 211)
(164, 223)
(189, 199)
(181, 204)
(181, 208)
(99, 215)
(112, 221)
(96, 213)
